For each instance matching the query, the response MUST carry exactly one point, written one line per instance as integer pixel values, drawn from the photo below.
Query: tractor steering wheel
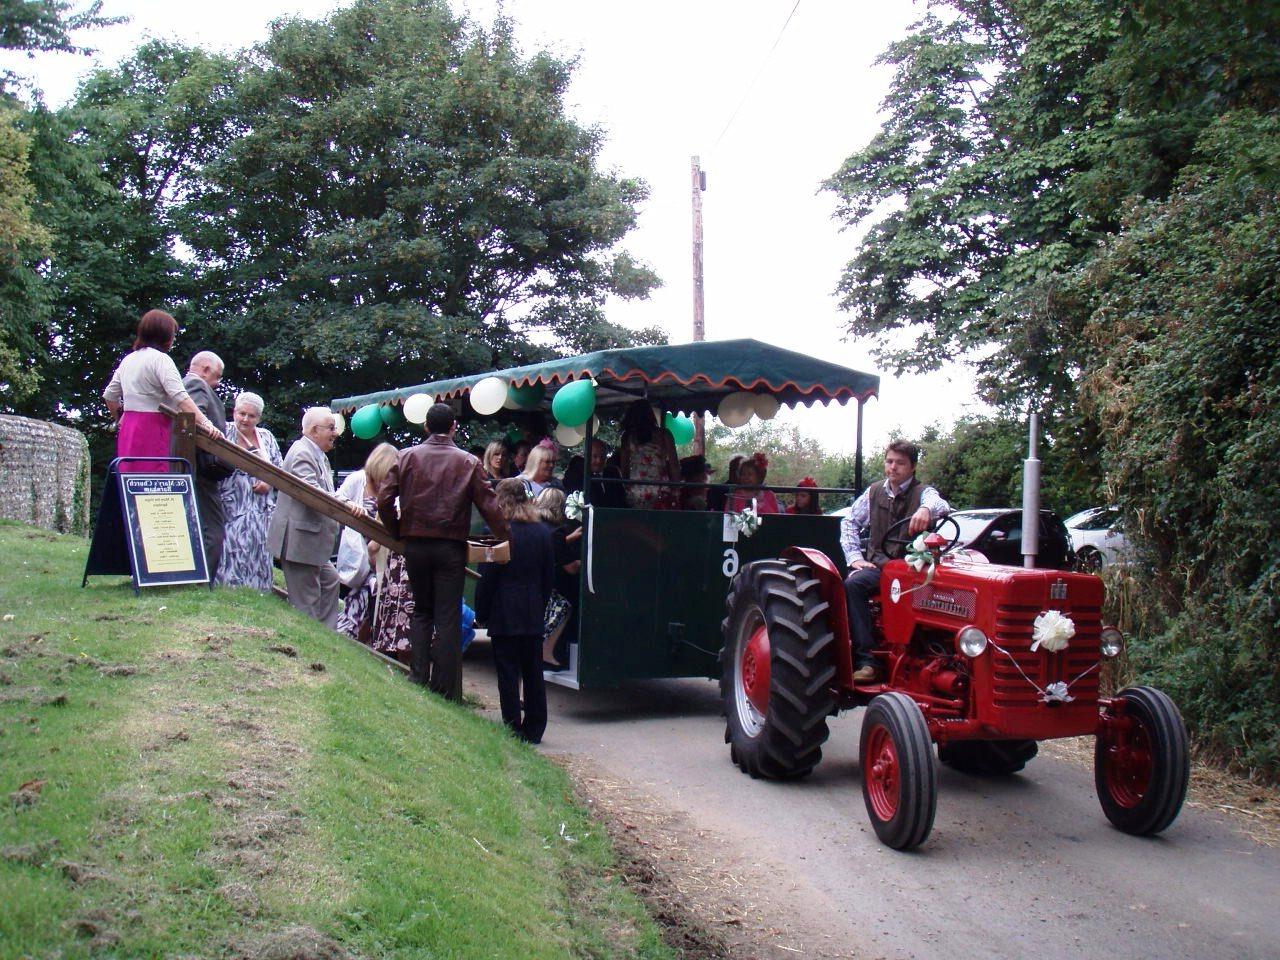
(934, 526)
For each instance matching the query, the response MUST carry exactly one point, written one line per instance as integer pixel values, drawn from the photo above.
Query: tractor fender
(831, 585)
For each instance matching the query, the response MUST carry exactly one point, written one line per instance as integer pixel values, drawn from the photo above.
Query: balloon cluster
(738, 408)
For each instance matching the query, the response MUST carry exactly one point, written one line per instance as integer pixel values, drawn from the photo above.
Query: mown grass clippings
(219, 799)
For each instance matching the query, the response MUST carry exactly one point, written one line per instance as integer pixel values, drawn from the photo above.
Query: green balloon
(392, 416)
(574, 403)
(528, 396)
(681, 428)
(366, 422)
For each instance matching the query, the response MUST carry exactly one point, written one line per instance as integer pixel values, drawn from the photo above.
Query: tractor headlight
(972, 641)
(1112, 642)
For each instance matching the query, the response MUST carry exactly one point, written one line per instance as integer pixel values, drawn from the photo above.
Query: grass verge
(206, 774)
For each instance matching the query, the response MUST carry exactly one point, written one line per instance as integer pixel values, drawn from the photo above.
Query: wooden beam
(252, 464)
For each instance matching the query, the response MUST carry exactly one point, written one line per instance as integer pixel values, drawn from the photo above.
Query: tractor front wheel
(778, 670)
(899, 779)
(1141, 762)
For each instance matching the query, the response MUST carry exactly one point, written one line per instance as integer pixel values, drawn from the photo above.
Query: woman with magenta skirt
(146, 378)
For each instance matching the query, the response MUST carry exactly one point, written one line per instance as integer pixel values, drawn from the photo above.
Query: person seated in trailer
(512, 598)
(647, 453)
(519, 457)
(806, 501)
(494, 462)
(884, 503)
(751, 476)
(718, 495)
(602, 494)
(694, 469)
(539, 469)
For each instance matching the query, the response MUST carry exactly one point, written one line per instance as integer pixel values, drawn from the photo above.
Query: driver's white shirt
(860, 515)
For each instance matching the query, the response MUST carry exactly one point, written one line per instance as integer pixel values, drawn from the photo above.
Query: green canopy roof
(689, 378)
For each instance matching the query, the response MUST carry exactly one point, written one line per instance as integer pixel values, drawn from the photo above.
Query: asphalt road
(1021, 867)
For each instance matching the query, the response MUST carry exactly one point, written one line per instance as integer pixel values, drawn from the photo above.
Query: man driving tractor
(884, 503)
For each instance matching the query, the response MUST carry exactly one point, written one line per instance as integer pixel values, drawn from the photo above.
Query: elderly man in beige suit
(301, 538)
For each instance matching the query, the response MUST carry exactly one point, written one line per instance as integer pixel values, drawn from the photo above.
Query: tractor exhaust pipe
(1031, 497)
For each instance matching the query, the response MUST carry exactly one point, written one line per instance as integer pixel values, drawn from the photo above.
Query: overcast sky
(663, 79)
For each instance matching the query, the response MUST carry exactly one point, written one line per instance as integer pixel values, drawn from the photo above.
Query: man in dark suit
(425, 500)
(201, 381)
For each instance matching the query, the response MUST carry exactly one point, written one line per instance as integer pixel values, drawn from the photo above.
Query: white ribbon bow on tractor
(920, 557)
(1052, 630)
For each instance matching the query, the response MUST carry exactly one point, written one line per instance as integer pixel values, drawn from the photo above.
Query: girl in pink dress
(751, 474)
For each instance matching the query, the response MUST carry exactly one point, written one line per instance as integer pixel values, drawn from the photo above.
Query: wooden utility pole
(699, 183)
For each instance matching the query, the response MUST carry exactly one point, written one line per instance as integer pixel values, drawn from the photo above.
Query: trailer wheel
(1141, 763)
(899, 779)
(777, 670)
(988, 758)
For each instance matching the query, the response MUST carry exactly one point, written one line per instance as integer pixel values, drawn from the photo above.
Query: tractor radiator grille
(1013, 633)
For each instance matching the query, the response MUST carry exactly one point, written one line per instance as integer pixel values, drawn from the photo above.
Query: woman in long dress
(379, 610)
(248, 502)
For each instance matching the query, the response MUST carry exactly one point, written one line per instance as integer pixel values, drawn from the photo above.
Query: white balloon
(339, 424)
(736, 409)
(766, 405)
(569, 436)
(416, 407)
(488, 396)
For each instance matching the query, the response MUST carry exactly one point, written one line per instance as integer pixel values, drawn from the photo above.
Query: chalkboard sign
(150, 530)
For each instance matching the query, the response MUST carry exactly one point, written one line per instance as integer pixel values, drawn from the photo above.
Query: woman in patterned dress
(362, 487)
(648, 453)
(248, 502)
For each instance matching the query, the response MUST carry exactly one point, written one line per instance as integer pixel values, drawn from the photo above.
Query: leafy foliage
(1187, 316)
(32, 26)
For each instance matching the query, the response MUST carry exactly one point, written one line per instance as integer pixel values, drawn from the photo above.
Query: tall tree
(1017, 133)
(409, 200)
(23, 300)
(45, 26)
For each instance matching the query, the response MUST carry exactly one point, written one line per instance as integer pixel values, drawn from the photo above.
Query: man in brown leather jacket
(436, 483)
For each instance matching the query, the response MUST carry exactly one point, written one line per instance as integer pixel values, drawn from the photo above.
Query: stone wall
(44, 475)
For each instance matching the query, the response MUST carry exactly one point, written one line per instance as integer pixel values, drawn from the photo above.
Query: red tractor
(981, 659)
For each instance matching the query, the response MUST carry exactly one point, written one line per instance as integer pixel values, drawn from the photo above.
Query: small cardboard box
(488, 551)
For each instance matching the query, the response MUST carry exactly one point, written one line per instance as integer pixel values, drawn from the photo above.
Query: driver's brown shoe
(866, 674)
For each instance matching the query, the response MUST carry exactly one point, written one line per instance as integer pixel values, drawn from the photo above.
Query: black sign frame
(118, 545)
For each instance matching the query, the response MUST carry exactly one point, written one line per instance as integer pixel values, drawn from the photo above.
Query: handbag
(353, 558)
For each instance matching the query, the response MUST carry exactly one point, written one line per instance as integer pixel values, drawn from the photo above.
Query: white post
(1031, 498)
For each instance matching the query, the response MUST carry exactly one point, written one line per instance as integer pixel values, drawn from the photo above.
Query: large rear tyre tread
(802, 670)
(1165, 790)
(896, 719)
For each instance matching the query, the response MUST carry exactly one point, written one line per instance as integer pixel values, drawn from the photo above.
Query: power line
(751, 86)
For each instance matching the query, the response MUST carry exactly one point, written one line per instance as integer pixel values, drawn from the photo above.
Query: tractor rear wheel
(1141, 763)
(778, 670)
(988, 758)
(899, 779)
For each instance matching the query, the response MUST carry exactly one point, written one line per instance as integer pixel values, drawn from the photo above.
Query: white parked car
(1097, 537)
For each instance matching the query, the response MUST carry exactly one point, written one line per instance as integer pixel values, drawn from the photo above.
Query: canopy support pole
(857, 455)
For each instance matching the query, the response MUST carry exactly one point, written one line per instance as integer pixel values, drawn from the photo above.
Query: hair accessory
(760, 460)
(548, 443)
(807, 482)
